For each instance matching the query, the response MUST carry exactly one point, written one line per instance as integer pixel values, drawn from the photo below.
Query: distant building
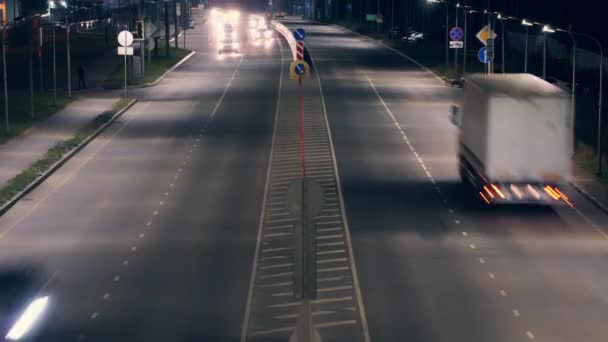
(10, 9)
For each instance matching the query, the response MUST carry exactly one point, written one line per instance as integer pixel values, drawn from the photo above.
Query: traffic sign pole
(456, 50)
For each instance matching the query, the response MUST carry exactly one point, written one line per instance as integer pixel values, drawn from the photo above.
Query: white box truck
(515, 138)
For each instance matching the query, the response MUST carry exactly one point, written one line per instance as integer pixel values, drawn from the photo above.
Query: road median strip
(28, 179)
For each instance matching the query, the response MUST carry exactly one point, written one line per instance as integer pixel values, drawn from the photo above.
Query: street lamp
(447, 28)
(456, 50)
(502, 19)
(6, 123)
(527, 25)
(546, 29)
(573, 95)
(600, 99)
(67, 40)
(466, 16)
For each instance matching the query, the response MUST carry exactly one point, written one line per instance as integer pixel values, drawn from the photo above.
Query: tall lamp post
(546, 29)
(502, 19)
(527, 25)
(600, 99)
(573, 94)
(447, 28)
(456, 50)
(6, 121)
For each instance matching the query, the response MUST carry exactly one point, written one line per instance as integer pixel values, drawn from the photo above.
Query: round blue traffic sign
(299, 34)
(483, 55)
(300, 69)
(456, 34)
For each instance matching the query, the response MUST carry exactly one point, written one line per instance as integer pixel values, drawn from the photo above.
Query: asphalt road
(433, 264)
(149, 233)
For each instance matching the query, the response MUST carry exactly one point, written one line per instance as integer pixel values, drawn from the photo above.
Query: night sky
(585, 15)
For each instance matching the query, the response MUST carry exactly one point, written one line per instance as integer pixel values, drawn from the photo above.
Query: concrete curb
(590, 197)
(63, 160)
(161, 77)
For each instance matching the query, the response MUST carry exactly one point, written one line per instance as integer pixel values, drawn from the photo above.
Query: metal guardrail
(286, 32)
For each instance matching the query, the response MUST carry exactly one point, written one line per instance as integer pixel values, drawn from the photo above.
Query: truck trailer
(515, 139)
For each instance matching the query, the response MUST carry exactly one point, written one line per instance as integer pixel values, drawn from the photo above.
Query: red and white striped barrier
(300, 51)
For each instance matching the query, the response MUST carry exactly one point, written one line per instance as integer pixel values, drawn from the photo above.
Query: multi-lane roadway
(153, 232)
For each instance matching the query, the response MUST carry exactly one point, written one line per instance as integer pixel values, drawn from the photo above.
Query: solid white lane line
(337, 236)
(276, 275)
(333, 324)
(331, 300)
(332, 269)
(329, 229)
(289, 264)
(287, 316)
(328, 261)
(285, 283)
(284, 305)
(271, 331)
(336, 251)
(335, 288)
(325, 244)
(326, 279)
(278, 249)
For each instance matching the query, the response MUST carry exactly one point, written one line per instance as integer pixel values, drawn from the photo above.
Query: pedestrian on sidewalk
(81, 77)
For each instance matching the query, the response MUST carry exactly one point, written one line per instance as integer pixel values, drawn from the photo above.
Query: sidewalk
(588, 184)
(20, 152)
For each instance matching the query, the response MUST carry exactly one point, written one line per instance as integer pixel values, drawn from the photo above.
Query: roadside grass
(585, 156)
(158, 66)
(20, 118)
(18, 183)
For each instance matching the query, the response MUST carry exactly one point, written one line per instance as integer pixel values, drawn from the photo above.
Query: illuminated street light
(546, 29)
(527, 25)
(502, 38)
